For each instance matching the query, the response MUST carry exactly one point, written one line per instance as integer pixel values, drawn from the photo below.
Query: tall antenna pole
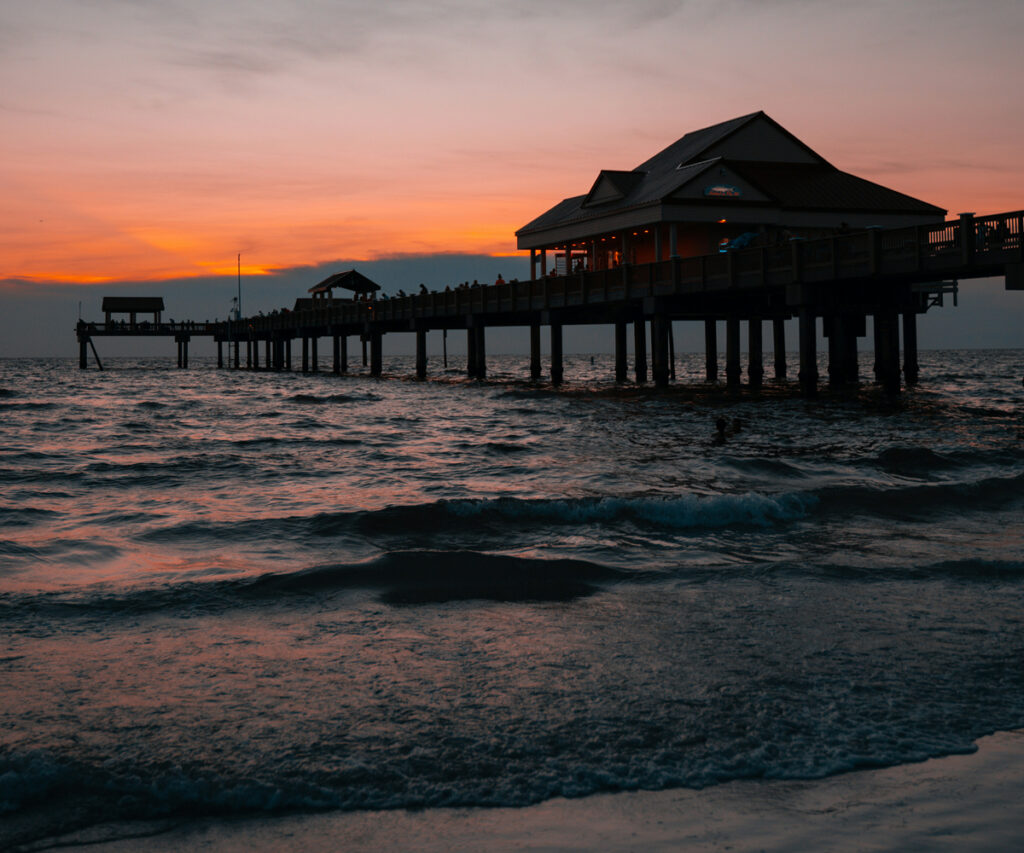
(239, 285)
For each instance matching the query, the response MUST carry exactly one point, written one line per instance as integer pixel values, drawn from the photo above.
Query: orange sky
(155, 141)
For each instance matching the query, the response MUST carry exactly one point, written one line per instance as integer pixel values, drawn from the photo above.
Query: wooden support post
(808, 353)
(376, 353)
(313, 356)
(184, 353)
(834, 335)
(621, 366)
(481, 353)
(287, 344)
(732, 351)
(671, 352)
(95, 354)
(269, 361)
(444, 347)
(364, 340)
(336, 352)
(421, 353)
(711, 350)
(557, 367)
(851, 360)
(535, 367)
(344, 354)
(255, 355)
(640, 350)
(177, 344)
(910, 366)
(471, 352)
(659, 349)
(755, 353)
(220, 354)
(248, 353)
(305, 354)
(887, 349)
(779, 342)
(83, 354)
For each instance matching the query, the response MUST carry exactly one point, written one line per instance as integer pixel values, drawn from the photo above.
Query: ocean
(230, 593)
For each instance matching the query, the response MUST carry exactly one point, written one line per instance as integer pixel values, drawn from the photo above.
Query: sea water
(226, 592)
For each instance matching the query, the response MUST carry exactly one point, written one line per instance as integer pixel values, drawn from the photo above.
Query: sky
(146, 144)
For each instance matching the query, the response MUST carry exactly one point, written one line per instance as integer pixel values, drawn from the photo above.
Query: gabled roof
(778, 169)
(349, 280)
(612, 186)
(699, 144)
(132, 304)
(826, 188)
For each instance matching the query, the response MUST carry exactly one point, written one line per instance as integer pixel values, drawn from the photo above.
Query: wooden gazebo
(132, 305)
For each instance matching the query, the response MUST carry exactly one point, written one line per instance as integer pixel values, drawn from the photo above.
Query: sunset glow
(148, 142)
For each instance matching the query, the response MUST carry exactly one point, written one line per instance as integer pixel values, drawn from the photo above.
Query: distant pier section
(740, 222)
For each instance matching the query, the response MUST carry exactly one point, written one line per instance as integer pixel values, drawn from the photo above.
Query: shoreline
(953, 803)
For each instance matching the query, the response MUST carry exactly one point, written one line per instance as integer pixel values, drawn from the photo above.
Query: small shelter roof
(132, 304)
(349, 280)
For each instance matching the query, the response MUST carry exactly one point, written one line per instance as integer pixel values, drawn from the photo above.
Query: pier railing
(965, 247)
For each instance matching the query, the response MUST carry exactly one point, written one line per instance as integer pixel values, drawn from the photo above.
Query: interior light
(721, 222)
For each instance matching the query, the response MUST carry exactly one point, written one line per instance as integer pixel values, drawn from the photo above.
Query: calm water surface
(224, 592)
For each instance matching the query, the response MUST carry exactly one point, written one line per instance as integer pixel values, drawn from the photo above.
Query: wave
(25, 516)
(496, 515)
(318, 400)
(924, 500)
(30, 405)
(398, 578)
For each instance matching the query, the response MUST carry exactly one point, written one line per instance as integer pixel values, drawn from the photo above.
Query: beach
(959, 802)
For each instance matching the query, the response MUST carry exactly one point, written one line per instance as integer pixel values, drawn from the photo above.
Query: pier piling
(557, 367)
(732, 351)
(808, 375)
(711, 350)
(755, 356)
(640, 350)
(779, 343)
(535, 366)
(621, 365)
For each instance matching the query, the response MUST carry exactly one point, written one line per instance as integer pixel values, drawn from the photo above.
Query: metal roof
(753, 147)
(349, 280)
(132, 304)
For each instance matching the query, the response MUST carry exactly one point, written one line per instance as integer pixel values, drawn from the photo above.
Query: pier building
(739, 183)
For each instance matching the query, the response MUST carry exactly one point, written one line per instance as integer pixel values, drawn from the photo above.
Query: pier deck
(842, 279)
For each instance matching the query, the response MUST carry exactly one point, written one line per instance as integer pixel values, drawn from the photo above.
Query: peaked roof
(754, 149)
(132, 304)
(349, 280)
(694, 146)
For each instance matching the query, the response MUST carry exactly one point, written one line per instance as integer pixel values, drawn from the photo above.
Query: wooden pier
(890, 275)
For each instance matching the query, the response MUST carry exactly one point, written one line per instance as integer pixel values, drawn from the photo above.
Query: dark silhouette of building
(737, 184)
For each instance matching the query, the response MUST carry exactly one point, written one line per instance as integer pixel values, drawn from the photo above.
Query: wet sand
(962, 802)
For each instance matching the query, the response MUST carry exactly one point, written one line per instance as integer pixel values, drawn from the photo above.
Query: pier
(739, 222)
(889, 275)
